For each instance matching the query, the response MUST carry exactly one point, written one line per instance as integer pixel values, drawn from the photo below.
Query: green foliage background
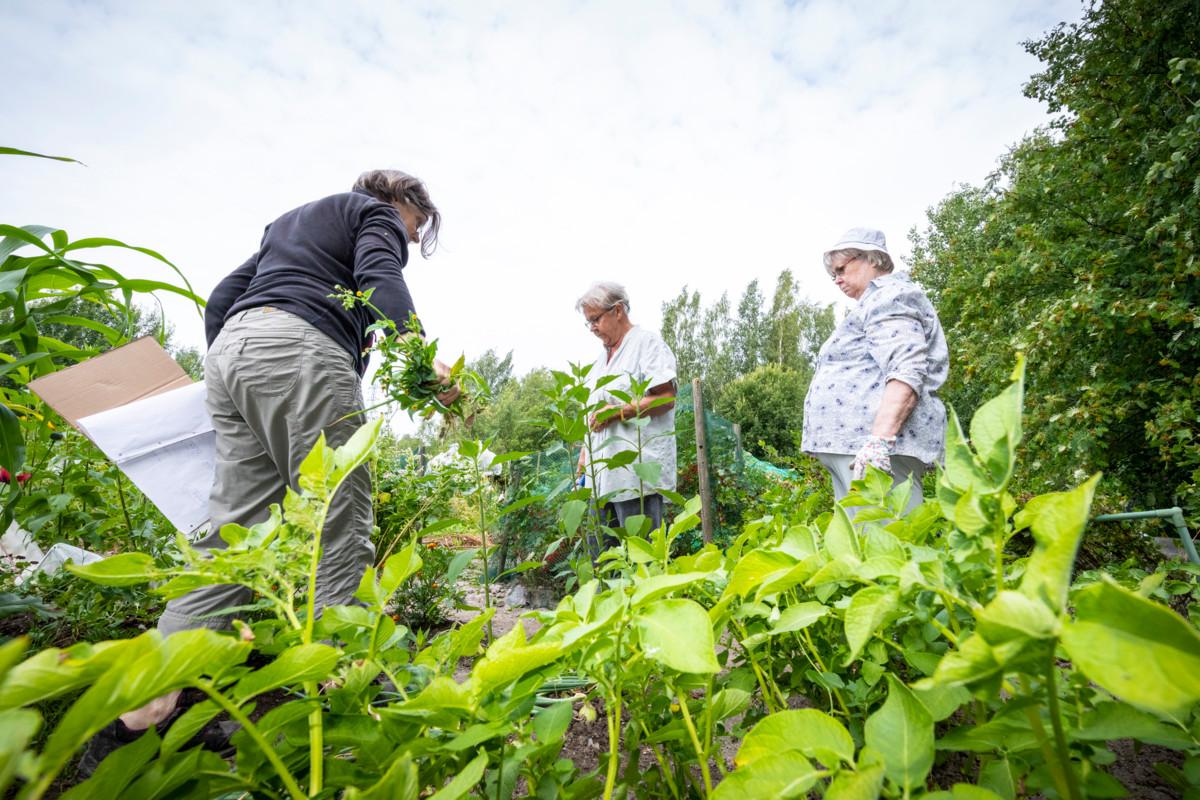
(1081, 250)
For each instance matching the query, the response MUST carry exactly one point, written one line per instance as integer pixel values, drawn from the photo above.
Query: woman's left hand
(877, 452)
(605, 417)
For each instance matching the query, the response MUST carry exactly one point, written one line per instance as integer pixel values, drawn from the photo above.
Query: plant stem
(316, 743)
(947, 603)
(700, 752)
(487, 583)
(708, 727)
(841, 701)
(1060, 739)
(662, 765)
(255, 734)
(121, 496)
(1039, 731)
(943, 630)
(612, 725)
(612, 702)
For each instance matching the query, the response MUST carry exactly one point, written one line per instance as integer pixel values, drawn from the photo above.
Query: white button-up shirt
(893, 333)
(644, 355)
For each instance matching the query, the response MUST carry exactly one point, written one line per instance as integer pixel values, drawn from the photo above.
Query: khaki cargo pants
(274, 383)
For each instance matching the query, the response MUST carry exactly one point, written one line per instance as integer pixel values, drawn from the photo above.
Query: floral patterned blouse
(893, 333)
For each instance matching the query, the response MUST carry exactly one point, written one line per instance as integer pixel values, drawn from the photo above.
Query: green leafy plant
(406, 371)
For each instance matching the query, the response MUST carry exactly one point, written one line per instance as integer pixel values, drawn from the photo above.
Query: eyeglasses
(840, 269)
(591, 322)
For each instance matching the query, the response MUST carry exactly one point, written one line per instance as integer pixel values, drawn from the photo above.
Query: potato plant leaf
(306, 662)
(464, 781)
(868, 609)
(808, 731)
(126, 569)
(782, 775)
(552, 721)
(864, 783)
(901, 731)
(1142, 652)
(1057, 521)
(678, 635)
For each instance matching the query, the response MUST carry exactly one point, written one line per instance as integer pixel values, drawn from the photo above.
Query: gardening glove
(876, 452)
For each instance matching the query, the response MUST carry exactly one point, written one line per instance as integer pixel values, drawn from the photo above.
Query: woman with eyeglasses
(630, 353)
(873, 398)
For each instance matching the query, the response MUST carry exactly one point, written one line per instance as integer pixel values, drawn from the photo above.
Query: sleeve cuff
(909, 379)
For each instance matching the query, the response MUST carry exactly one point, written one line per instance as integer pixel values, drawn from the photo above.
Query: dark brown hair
(393, 186)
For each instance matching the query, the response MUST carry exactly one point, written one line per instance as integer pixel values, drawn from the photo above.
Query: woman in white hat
(873, 398)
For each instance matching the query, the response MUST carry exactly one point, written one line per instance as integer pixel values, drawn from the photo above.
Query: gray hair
(878, 259)
(392, 186)
(604, 294)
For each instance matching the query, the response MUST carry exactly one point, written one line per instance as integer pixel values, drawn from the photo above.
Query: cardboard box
(130, 372)
(148, 416)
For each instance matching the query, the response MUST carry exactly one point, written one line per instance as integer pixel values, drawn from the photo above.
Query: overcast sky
(653, 143)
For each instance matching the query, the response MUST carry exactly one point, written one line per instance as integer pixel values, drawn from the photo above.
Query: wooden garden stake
(702, 463)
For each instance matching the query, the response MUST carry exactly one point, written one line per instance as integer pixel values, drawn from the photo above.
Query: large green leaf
(677, 634)
(398, 568)
(441, 695)
(305, 662)
(509, 658)
(571, 515)
(809, 731)
(24, 360)
(10, 653)
(1013, 615)
(996, 428)
(901, 731)
(868, 609)
(840, 539)
(400, 782)
(1142, 652)
(1108, 721)
(779, 776)
(18, 726)
(163, 666)
(52, 672)
(962, 470)
(126, 569)
(552, 721)
(781, 581)
(753, 568)
(864, 783)
(1057, 521)
(12, 442)
(117, 771)
(799, 616)
(188, 725)
(657, 586)
(942, 701)
(11, 279)
(972, 662)
(648, 471)
(729, 702)
(464, 781)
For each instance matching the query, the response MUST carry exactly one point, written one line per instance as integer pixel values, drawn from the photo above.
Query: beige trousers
(274, 382)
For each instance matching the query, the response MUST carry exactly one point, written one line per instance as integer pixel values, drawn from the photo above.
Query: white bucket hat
(858, 239)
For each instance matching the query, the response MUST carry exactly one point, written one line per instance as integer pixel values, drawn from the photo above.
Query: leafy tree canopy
(1082, 251)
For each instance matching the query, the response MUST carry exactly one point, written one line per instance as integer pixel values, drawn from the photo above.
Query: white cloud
(654, 143)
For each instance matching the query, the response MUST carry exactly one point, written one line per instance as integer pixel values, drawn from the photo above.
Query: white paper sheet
(166, 445)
